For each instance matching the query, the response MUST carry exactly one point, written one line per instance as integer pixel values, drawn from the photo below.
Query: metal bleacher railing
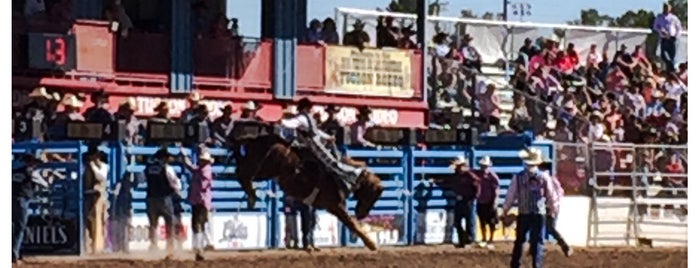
(392, 221)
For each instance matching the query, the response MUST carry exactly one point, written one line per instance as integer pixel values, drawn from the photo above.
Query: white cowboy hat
(531, 156)
(40, 92)
(459, 161)
(485, 161)
(206, 156)
(195, 97)
(72, 101)
(658, 94)
(251, 106)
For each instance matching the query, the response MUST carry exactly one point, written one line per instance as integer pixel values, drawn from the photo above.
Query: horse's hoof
(372, 246)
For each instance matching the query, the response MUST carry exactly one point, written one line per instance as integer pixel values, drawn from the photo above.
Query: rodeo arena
(367, 139)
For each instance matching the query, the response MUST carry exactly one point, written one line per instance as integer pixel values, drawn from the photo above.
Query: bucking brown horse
(271, 157)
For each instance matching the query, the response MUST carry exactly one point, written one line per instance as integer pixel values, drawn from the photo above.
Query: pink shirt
(200, 185)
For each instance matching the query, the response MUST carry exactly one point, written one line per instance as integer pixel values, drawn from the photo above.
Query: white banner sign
(326, 234)
(138, 238)
(239, 230)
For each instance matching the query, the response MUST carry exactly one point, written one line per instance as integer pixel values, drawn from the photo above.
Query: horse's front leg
(341, 213)
(249, 191)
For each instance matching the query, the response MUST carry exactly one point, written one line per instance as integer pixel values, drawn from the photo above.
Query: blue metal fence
(403, 171)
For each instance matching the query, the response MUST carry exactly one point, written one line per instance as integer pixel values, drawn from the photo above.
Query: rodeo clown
(533, 191)
(310, 136)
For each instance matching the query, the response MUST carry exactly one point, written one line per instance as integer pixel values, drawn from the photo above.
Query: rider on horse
(311, 137)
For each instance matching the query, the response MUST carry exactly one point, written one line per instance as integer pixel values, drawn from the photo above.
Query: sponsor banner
(369, 72)
(138, 233)
(326, 233)
(384, 229)
(348, 115)
(435, 224)
(51, 235)
(239, 230)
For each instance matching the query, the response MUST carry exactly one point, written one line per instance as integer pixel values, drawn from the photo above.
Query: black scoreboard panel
(50, 51)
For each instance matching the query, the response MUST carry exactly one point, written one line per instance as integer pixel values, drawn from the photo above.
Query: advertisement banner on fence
(369, 72)
(435, 223)
(384, 229)
(138, 237)
(326, 234)
(239, 230)
(51, 235)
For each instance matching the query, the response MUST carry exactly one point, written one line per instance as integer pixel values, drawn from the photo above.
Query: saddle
(311, 163)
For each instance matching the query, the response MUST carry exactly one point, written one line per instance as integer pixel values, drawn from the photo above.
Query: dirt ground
(403, 257)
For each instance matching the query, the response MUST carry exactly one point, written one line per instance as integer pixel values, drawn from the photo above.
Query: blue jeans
(465, 210)
(535, 225)
(668, 50)
(20, 216)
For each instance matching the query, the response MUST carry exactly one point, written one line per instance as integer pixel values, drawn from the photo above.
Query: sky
(544, 11)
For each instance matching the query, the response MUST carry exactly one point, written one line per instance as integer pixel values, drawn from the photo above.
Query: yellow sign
(370, 72)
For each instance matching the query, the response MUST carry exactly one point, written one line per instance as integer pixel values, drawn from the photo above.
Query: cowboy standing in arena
(314, 139)
(162, 184)
(96, 182)
(550, 217)
(486, 208)
(200, 197)
(25, 180)
(533, 191)
(466, 187)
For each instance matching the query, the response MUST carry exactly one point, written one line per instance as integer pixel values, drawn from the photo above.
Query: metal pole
(504, 9)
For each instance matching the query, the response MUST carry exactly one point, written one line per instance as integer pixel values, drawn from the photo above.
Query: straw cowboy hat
(459, 161)
(195, 97)
(40, 92)
(485, 161)
(531, 157)
(72, 101)
(251, 106)
(206, 156)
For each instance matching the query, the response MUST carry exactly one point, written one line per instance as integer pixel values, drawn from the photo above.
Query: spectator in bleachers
(133, 127)
(521, 120)
(387, 34)
(593, 57)
(490, 107)
(201, 119)
(222, 126)
(99, 113)
(471, 58)
(162, 113)
(527, 51)
(668, 27)
(38, 101)
(357, 37)
(71, 112)
(188, 114)
(442, 46)
(314, 34)
(250, 112)
(329, 32)
(119, 19)
(682, 72)
(405, 41)
(358, 128)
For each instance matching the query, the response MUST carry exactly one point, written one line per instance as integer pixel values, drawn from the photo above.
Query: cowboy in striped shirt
(533, 191)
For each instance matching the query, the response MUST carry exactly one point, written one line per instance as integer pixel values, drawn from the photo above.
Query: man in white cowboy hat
(188, 114)
(310, 136)
(200, 197)
(465, 186)
(486, 207)
(71, 112)
(250, 112)
(39, 99)
(533, 191)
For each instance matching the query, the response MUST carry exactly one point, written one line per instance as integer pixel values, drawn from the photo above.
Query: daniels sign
(51, 236)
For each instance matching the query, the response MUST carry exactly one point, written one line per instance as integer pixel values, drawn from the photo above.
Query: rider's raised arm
(294, 123)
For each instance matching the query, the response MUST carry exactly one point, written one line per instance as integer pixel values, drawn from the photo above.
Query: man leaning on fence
(533, 191)
(162, 183)
(96, 181)
(25, 180)
(200, 197)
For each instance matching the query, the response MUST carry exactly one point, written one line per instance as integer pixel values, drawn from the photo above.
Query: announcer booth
(433, 205)
(388, 222)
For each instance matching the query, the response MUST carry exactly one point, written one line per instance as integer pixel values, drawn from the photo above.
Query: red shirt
(564, 64)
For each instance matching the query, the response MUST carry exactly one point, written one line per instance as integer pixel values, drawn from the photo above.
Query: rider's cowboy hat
(195, 97)
(459, 161)
(485, 161)
(72, 101)
(129, 103)
(206, 156)
(162, 106)
(531, 156)
(251, 106)
(40, 92)
(303, 104)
